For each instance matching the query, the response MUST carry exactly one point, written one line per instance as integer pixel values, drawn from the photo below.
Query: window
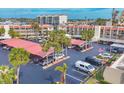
(81, 65)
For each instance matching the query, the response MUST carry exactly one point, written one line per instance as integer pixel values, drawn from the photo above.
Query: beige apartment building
(25, 31)
(109, 34)
(76, 29)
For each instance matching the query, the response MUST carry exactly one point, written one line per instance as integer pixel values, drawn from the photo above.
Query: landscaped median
(108, 60)
(97, 77)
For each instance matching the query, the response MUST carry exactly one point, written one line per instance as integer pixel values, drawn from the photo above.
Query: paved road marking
(83, 73)
(74, 78)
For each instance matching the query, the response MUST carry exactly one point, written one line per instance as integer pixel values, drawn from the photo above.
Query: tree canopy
(13, 33)
(101, 21)
(57, 40)
(2, 31)
(18, 56)
(87, 34)
(7, 75)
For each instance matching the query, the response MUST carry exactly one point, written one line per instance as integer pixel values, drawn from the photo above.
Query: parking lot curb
(87, 49)
(56, 62)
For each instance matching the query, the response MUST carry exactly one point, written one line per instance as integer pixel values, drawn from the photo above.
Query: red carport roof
(77, 42)
(31, 47)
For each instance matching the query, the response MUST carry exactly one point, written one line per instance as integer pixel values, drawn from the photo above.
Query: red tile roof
(20, 26)
(31, 47)
(77, 42)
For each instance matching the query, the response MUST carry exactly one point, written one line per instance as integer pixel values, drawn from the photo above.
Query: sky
(72, 13)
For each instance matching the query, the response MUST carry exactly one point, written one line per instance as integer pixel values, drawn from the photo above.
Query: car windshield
(90, 67)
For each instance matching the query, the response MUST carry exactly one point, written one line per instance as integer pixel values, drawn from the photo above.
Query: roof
(46, 26)
(20, 26)
(117, 45)
(31, 47)
(77, 42)
(81, 26)
(82, 62)
(112, 28)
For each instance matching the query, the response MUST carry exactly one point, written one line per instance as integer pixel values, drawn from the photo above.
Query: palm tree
(52, 41)
(13, 33)
(2, 31)
(18, 57)
(63, 70)
(57, 40)
(7, 75)
(87, 35)
(63, 40)
(36, 28)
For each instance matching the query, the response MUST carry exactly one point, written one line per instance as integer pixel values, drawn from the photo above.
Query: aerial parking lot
(35, 74)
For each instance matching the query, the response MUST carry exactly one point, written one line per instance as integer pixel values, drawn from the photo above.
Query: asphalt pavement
(35, 74)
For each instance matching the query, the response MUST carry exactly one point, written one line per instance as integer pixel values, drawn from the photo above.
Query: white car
(84, 66)
(58, 56)
(106, 55)
(6, 48)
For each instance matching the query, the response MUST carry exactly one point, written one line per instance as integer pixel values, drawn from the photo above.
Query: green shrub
(103, 82)
(100, 57)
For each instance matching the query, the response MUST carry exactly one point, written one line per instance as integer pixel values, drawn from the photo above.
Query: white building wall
(97, 33)
(6, 35)
(63, 19)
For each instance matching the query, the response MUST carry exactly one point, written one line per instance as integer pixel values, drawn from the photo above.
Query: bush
(100, 57)
(103, 82)
(112, 59)
(99, 75)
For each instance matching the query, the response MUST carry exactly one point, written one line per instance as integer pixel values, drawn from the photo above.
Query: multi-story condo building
(76, 29)
(25, 31)
(109, 34)
(52, 19)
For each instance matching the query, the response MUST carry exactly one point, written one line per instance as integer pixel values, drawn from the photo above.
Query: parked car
(6, 48)
(93, 61)
(84, 66)
(115, 50)
(45, 62)
(77, 48)
(106, 55)
(58, 56)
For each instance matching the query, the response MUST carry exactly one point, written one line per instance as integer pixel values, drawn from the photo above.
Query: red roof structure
(77, 42)
(31, 47)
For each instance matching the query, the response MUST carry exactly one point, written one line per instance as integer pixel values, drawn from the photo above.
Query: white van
(80, 65)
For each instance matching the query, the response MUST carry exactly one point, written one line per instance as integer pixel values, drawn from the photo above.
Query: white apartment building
(52, 19)
(109, 34)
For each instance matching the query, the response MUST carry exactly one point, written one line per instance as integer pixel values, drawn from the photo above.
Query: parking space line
(80, 72)
(74, 78)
